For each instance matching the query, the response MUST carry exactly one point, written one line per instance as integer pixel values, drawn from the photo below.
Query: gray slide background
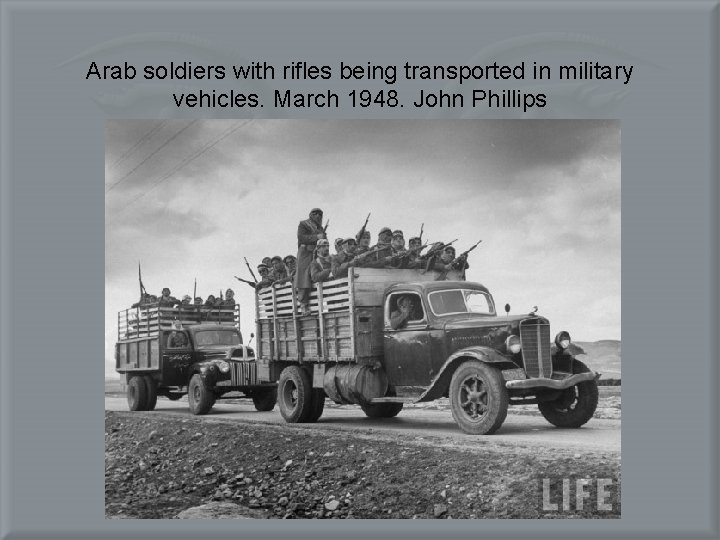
(53, 208)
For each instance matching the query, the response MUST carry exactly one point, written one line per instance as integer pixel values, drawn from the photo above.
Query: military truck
(453, 345)
(188, 349)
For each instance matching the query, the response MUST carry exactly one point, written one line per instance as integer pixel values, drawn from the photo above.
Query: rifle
(251, 271)
(324, 229)
(434, 252)
(464, 254)
(369, 252)
(362, 231)
(245, 281)
(195, 290)
(422, 226)
(143, 290)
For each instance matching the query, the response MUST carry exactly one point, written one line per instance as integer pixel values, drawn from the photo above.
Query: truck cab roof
(429, 286)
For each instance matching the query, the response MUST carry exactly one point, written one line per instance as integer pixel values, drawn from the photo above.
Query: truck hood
(469, 321)
(239, 352)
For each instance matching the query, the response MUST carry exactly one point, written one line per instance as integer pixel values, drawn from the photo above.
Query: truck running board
(393, 400)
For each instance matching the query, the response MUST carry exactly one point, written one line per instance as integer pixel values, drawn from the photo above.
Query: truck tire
(200, 398)
(295, 395)
(151, 393)
(478, 398)
(137, 395)
(265, 401)
(318, 405)
(576, 406)
(382, 410)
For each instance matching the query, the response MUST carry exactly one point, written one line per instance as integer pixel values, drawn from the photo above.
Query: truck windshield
(216, 338)
(460, 301)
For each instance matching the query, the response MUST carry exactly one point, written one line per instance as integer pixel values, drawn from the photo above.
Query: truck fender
(440, 383)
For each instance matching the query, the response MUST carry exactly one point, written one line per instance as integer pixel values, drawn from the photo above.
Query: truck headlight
(512, 344)
(562, 340)
(223, 366)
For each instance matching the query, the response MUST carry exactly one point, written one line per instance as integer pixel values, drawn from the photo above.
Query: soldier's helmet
(450, 250)
(166, 291)
(316, 211)
(348, 241)
(415, 240)
(229, 293)
(186, 299)
(323, 242)
(276, 258)
(289, 259)
(266, 261)
(198, 300)
(263, 266)
(385, 230)
(398, 233)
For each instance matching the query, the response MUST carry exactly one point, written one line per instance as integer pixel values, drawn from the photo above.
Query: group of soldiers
(315, 264)
(166, 299)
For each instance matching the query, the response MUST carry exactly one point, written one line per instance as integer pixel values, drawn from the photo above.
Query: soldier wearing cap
(381, 252)
(265, 279)
(398, 255)
(338, 245)
(186, 300)
(166, 300)
(267, 261)
(277, 271)
(198, 301)
(321, 267)
(345, 259)
(415, 258)
(447, 261)
(308, 233)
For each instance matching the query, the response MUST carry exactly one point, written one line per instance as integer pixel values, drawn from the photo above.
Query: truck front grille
(243, 373)
(535, 341)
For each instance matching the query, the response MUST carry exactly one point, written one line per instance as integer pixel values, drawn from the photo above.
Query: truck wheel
(382, 410)
(265, 401)
(575, 406)
(318, 405)
(295, 395)
(137, 395)
(478, 398)
(200, 398)
(151, 393)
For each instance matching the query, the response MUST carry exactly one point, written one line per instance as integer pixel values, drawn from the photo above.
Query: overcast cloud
(190, 198)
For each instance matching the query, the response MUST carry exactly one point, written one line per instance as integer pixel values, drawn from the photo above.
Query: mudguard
(441, 381)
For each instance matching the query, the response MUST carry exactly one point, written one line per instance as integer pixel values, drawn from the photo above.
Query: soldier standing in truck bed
(321, 267)
(414, 259)
(290, 267)
(166, 300)
(308, 233)
(398, 254)
(344, 260)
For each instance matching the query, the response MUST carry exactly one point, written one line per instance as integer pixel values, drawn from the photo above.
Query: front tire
(478, 398)
(575, 406)
(137, 394)
(265, 401)
(295, 395)
(200, 398)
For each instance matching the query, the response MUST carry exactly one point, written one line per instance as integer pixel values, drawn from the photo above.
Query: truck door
(176, 357)
(406, 338)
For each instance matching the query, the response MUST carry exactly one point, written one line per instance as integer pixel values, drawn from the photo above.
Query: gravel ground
(157, 466)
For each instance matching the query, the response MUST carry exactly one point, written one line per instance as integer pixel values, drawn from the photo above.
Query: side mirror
(507, 309)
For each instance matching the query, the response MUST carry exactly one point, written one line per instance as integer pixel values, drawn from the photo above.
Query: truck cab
(381, 338)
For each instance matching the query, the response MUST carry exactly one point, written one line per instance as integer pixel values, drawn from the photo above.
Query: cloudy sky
(190, 199)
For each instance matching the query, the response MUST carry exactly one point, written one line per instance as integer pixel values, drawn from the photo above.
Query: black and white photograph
(362, 319)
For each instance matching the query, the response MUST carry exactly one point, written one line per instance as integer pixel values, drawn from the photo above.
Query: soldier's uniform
(289, 263)
(344, 260)
(308, 233)
(321, 267)
(398, 254)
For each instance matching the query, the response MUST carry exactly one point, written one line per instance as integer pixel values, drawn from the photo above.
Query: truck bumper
(552, 383)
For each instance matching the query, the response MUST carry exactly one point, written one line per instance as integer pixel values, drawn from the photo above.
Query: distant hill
(603, 356)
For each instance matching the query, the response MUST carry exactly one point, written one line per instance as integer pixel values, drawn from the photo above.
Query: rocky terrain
(163, 466)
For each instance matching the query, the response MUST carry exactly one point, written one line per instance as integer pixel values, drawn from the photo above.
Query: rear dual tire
(141, 393)
(299, 402)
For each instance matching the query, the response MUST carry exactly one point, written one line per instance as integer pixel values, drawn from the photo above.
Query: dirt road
(436, 427)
